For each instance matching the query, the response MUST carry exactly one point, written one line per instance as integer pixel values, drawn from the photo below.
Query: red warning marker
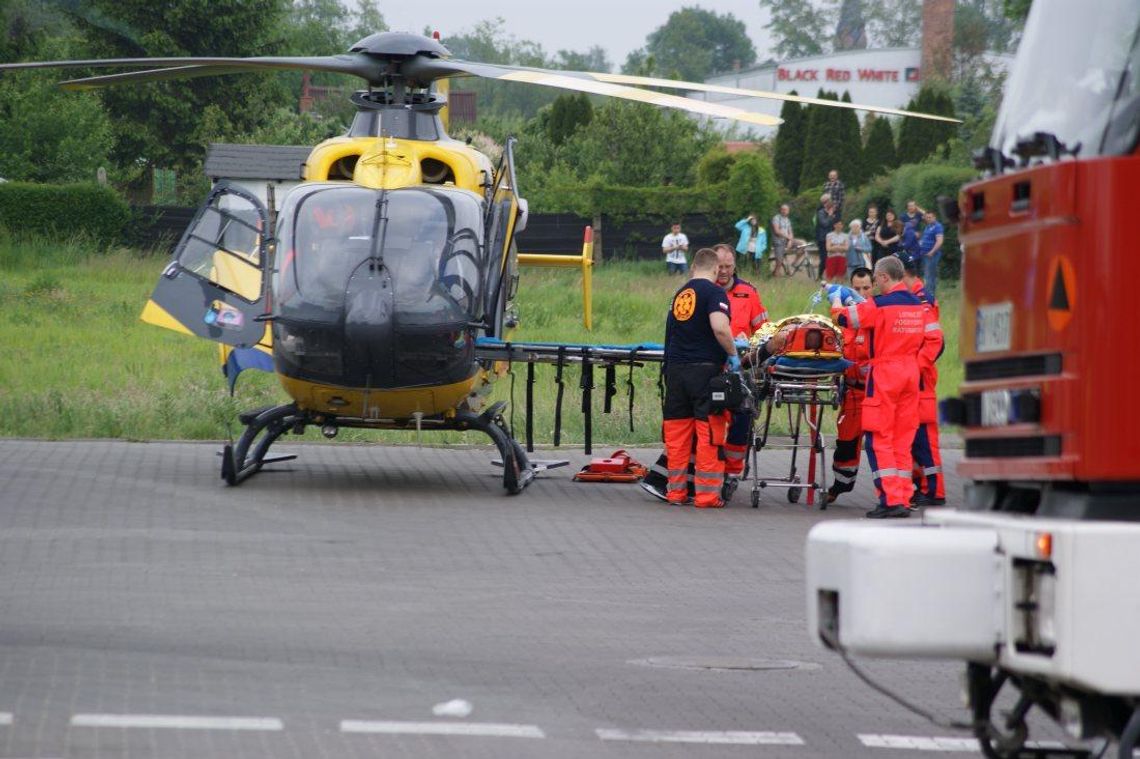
(1062, 293)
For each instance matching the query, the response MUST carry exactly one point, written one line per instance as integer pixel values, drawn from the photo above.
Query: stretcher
(804, 380)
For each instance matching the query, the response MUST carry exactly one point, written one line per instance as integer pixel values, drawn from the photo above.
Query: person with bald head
(903, 337)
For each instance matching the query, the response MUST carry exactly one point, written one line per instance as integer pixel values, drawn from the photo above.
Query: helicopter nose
(369, 325)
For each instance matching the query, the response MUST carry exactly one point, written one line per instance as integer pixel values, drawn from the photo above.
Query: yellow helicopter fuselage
(388, 164)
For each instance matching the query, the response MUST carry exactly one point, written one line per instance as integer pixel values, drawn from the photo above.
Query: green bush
(63, 210)
(752, 188)
(878, 191)
(715, 165)
(802, 212)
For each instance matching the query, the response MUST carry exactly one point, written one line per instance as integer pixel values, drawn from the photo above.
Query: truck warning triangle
(1059, 298)
(1062, 293)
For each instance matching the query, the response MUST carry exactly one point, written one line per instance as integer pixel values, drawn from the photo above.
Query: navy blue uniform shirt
(689, 338)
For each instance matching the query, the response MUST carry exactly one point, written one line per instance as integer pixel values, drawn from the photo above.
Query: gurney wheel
(794, 495)
(755, 499)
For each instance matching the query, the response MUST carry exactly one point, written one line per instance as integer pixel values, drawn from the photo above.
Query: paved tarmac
(326, 608)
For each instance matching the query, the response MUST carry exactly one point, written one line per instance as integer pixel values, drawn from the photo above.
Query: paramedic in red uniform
(746, 315)
(698, 340)
(928, 479)
(898, 325)
(849, 430)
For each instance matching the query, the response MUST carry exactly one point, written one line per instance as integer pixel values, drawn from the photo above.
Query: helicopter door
(215, 286)
(502, 215)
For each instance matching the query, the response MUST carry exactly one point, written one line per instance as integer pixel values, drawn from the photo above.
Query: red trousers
(848, 442)
(708, 471)
(890, 418)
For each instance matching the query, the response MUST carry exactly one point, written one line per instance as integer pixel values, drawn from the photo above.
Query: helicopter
(371, 288)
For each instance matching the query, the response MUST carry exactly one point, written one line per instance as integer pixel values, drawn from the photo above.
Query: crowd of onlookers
(914, 236)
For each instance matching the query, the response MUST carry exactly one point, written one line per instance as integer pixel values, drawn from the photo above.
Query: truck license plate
(995, 408)
(993, 327)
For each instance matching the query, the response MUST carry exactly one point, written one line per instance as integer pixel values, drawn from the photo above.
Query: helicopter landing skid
(263, 426)
(517, 469)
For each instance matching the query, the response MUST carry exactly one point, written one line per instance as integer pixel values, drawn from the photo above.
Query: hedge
(68, 210)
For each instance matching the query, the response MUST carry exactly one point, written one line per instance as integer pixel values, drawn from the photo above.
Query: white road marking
(936, 743)
(738, 737)
(485, 729)
(176, 722)
(6, 718)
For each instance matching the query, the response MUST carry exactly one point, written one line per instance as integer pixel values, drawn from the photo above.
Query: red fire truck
(1030, 582)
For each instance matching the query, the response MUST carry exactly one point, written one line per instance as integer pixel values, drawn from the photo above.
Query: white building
(885, 77)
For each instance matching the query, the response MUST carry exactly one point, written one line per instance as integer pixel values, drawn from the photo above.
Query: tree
(594, 59)
(1017, 9)
(798, 27)
(851, 33)
(715, 165)
(851, 169)
(368, 20)
(23, 28)
(639, 145)
(488, 42)
(752, 186)
(919, 138)
(789, 151)
(639, 63)
(894, 23)
(317, 27)
(828, 145)
(567, 114)
(47, 135)
(160, 123)
(694, 44)
(879, 156)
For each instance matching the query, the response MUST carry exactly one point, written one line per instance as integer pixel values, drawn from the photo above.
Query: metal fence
(159, 227)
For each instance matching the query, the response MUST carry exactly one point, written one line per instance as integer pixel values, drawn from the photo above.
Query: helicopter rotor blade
(647, 81)
(358, 64)
(429, 69)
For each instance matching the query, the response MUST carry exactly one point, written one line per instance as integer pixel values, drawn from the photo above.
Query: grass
(78, 363)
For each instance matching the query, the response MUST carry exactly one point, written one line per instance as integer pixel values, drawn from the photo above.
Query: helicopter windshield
(378, 288)
(430, 241)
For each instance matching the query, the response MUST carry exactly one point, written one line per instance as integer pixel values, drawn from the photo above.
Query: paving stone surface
(368, 584)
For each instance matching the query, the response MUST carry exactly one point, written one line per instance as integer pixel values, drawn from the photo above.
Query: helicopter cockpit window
(429, 242)
(225, 246)
(329, 234)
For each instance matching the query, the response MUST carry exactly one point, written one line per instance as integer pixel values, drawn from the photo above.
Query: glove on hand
(734, 363)
(741, 343)
(845, 295)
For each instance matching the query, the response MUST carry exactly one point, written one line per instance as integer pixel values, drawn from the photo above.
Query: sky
(616, 26)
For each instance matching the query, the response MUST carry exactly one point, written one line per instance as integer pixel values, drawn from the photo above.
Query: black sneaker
(729, 488)
(889, 512)
(648, 488)
(921, 499)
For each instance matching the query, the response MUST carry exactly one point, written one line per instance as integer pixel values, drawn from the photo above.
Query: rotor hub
(400, 45)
